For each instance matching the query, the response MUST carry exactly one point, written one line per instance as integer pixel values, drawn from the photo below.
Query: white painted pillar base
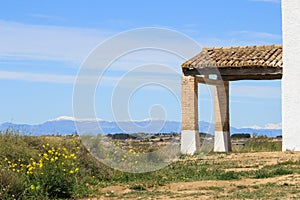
(190, 142)
(222, 128)
(221, 141)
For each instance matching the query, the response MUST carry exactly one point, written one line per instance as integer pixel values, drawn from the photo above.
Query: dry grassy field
(62, 168)
(269, 180)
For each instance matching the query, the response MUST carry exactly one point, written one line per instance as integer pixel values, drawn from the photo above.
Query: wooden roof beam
(251, 77)
(259, 71)
(208, 81)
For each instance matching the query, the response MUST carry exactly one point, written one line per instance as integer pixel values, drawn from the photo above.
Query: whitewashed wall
(291, 75)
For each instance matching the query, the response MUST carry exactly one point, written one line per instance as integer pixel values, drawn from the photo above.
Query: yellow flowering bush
(53, 173)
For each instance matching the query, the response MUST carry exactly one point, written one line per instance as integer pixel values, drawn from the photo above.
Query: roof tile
(246, 56)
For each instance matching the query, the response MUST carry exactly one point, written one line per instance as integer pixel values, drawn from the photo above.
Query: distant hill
(67, 125)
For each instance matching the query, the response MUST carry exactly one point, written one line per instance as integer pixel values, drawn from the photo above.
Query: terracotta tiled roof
(243, 57)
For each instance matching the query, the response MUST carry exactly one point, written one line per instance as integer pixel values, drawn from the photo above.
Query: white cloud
(128, 82)
(256, 34)
(273, 126)
(37, 77)
(71, 43)
(47, 42)
(267, 126)
(53, 78)
(34, 42)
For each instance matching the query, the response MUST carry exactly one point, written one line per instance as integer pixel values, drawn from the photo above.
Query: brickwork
(222, 107)
(222, 113)
(189, 103)
(190, 141)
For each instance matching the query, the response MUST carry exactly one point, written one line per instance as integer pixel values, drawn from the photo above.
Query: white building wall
(291, 75)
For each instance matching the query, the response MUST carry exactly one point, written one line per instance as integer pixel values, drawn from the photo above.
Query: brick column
(222, 127)
(190, 141)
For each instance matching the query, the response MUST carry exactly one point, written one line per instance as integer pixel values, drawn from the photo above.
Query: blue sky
(44, 43)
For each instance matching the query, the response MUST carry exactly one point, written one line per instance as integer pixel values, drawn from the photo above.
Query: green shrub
(52, 174)
(265, 173)
(11, 185)
(228, 176)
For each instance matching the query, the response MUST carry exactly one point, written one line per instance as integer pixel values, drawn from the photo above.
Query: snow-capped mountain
(67, 125)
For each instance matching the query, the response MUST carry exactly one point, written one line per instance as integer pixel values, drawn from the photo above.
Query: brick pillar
(190, 141)
(222, 127)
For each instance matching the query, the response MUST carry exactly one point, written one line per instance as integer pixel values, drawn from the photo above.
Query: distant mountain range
(66, 125)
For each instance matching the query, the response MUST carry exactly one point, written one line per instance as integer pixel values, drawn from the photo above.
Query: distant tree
(121, 136)
(240, 136)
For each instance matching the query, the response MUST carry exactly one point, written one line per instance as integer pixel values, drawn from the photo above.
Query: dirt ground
(221, 189)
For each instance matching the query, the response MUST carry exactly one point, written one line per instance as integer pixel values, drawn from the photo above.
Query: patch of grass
(228, 175)
(138, 187)
(144, 193)
(262, 191)
(272, 171)
(241, 186)
(259, 144)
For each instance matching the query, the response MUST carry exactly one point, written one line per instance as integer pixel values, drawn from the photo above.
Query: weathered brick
(189, 103)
